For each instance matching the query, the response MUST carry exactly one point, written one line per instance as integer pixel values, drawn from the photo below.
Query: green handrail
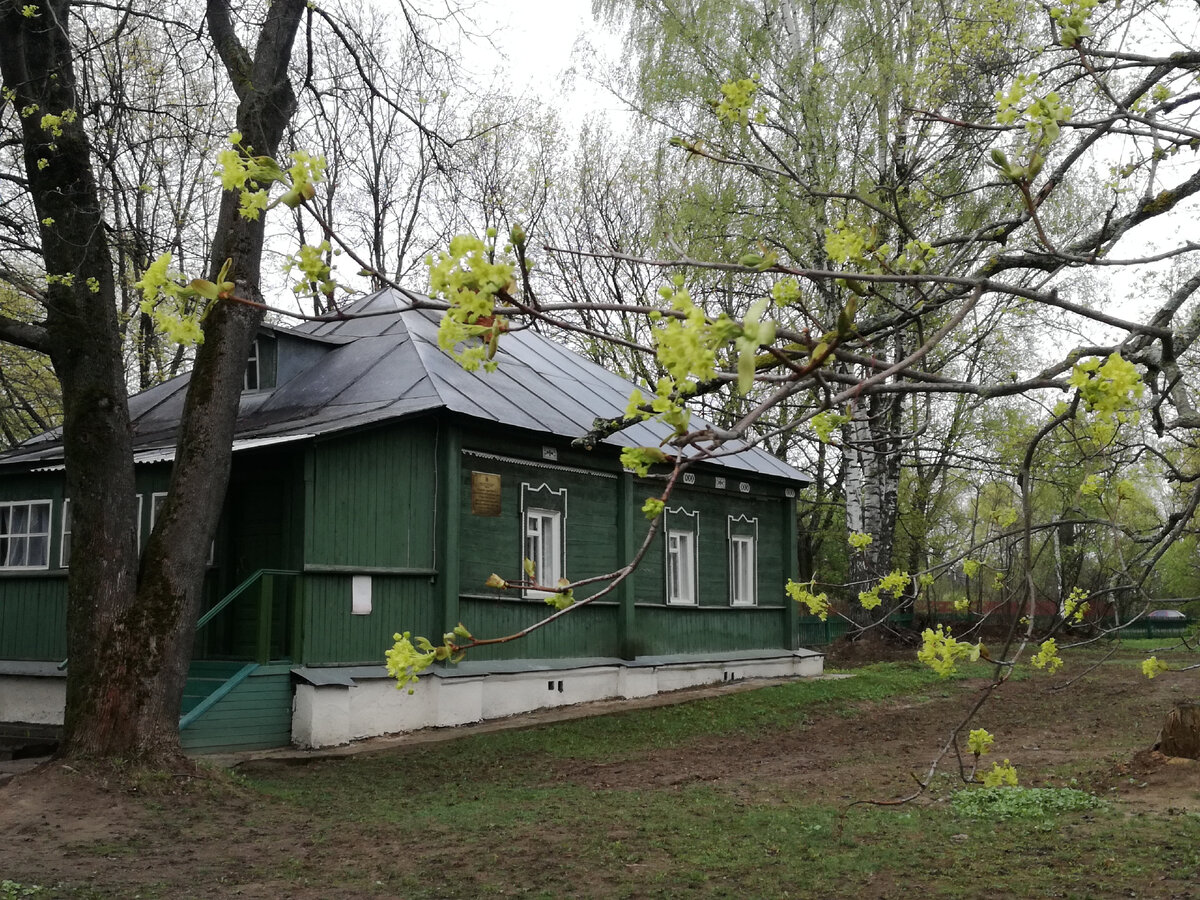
(211, 700)
(226, 600)
(238, 591)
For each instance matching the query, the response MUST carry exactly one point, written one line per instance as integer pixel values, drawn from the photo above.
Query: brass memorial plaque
(485, 494)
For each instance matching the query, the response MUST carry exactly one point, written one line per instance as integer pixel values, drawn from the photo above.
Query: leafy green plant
(999, 803)
(13, 890)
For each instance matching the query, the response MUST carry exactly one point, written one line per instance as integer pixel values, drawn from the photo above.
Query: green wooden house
(375, 486)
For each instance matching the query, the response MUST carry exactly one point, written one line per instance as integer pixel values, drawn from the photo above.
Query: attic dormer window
(260, 365)
(252, 368)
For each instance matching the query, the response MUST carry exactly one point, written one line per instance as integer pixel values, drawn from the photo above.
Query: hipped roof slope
(383, 362)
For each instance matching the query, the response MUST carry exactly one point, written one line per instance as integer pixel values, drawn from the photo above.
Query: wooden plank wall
(332, 636)
(373, 498)
(591, 631)
(677, 629)
(33, 605)
(33, 617)
(494, 544)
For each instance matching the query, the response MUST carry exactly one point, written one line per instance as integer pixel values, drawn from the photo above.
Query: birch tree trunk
(871, 458)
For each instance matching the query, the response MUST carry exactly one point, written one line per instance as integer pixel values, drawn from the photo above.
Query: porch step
(204, 677)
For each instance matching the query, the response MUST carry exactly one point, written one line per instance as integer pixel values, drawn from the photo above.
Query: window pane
(673, 568)
(542, 545)
(681, 567)
(251, 382)
(26, 531)
(687, 574)
(39, 518)
(533, 542)
(65, 543)
(531, 549)
(550, 549)
(741, 569)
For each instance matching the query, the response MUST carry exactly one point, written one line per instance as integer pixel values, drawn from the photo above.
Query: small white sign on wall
(360, 595)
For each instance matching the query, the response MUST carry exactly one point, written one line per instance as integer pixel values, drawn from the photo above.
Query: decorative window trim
(11, 540)
(742, 533)
(549, 506)
(681, 526)
(537, 464)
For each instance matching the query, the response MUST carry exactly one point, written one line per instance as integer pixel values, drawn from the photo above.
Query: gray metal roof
(382, 362)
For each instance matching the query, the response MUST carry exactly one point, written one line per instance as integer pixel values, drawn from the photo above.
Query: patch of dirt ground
(185, 837)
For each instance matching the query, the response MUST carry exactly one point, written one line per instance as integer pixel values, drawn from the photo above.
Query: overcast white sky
(535, 41)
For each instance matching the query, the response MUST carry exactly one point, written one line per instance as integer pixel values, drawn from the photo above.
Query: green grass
(703, 841)
(511, 755)
(507, 818)
(1174, 645)
(525, 813)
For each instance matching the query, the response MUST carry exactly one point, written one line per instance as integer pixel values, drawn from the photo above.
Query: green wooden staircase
(233, 705)
(241, 698)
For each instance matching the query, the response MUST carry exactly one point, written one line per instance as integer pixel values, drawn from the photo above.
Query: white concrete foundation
(33, 699)
(365, 703)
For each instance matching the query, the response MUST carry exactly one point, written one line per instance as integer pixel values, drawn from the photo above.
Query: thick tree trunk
(130, 633)
(106, 674)
(176, 556)
(1181, 731)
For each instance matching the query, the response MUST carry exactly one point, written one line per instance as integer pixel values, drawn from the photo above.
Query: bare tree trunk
(129, 634)
(105, 677)
(176, 555)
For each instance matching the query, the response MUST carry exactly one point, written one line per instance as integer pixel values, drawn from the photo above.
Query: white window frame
(64, 543)
(743, 561)
(544, 520)
(681, 547)
(9, 540)
(681, 567)
(543, 528)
